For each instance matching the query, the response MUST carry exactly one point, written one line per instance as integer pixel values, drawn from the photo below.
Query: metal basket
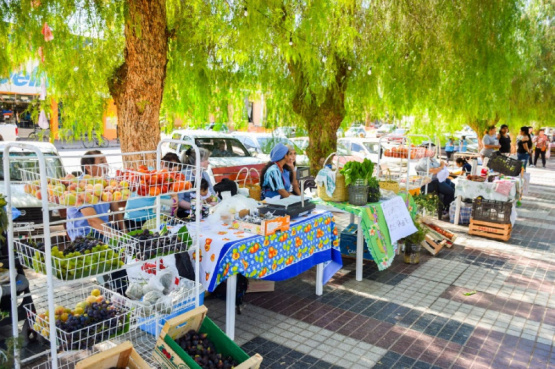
(170, 239)
(358, 194)
(83, 337)
(492, 211)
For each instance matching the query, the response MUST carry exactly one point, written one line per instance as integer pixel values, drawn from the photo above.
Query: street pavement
(418, 316)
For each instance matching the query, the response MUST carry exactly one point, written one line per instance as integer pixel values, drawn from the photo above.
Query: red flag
(47, 32)
(35, 3)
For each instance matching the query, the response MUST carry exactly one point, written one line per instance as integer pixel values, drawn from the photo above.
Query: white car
(384, 130)
(260, 145)
(226, 150)
(361, 147)
(9, 131)
(29, 205)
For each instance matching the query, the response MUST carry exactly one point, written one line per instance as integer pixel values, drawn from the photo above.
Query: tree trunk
(322, 120)
(480, 126)
(137, 85)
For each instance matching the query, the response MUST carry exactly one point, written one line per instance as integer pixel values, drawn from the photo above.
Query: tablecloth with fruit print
(311, 240)
(374, 228)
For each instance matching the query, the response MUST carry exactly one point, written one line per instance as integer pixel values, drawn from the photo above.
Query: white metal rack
(404, 151)
(54, 289)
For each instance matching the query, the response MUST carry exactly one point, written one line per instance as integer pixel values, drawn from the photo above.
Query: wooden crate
(260, 285)
(490, 230)
(121, 356)
(432, 246)
(171, 356)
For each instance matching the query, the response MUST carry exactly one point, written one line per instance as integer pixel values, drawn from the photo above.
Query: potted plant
(412, 244)
(357, 176)
(373, 190)
(426, 202)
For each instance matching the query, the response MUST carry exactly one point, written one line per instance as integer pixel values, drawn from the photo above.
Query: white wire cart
(72, 310)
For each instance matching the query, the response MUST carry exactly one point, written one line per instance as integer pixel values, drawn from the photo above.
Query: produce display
(77, 191)
(203, 351)
(403, 152)
(355, 171)
(149, 244)
(441, 231)
(476, 178)
(91, 321)
(83, 257)
(156, 182)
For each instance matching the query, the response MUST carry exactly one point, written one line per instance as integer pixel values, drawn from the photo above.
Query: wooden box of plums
(193, 341)
(121, 356)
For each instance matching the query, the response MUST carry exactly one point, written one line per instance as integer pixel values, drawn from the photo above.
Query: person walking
(531, 144)
(524, 146)
(542, 144)
(449, 148)
(490, 144)
(463, 144)
(504, 140)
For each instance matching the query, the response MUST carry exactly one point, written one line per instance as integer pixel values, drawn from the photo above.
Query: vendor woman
(276, 175)
(190, 159)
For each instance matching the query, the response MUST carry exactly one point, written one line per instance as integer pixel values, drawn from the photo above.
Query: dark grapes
(151, 245)
(82, 245)
(203, 351)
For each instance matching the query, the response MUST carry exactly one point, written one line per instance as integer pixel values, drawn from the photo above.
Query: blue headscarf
(278, 152)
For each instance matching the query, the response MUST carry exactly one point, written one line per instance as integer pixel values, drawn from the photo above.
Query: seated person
(290, 171)
(189, 158)
(134, 219)
(464, 166)
(445, 188)
(275, 181)
(220, 150)
(94, 166)
(205, 195)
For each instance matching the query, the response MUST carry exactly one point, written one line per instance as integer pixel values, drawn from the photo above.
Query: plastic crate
(348, 243)
(492, 211)
(505, 165)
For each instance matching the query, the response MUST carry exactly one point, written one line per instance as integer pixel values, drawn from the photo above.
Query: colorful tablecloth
(374, 227)
(311, 240)
(471, 190)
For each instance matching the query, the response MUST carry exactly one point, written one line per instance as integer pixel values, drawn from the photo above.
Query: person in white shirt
(445, 188)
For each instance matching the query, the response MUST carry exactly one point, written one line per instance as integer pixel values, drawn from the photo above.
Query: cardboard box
(260, 285)
(121, 356)
(348, 243)
(170, 355)
(266, 228)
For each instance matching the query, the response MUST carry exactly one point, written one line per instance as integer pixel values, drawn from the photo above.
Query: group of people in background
(530, 147)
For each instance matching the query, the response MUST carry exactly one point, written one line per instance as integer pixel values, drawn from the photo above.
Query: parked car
(9, 131)
(29, 205)
(383, 130)
(261, 144)
(361, 147)
(301, 143)
(217, 127)
(399, 135)
(356, 131)
(226, 150)
(340, 133)
(290, 132)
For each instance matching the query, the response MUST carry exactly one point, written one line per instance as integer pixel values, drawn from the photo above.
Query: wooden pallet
(490, 230)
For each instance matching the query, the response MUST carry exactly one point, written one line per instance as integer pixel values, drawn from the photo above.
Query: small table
(372, 227)
(471, 189)
(225, 252)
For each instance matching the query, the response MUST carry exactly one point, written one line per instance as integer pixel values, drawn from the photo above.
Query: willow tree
(123, 49)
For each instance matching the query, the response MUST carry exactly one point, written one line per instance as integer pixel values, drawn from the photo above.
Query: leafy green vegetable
(353, 171)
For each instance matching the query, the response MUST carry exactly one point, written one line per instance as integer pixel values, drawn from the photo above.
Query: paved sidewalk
(417, 316)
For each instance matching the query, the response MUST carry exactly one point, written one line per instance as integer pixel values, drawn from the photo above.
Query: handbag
(389, 184)
(255, 191)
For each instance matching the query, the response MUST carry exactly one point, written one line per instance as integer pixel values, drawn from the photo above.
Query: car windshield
(29, 161)
(400, 131)
(223, 147)
(372, 147)
(268, 143)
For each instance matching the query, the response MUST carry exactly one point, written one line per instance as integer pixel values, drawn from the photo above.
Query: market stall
(226, 251)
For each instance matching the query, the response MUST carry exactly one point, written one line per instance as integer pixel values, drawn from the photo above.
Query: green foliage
(354, 170)
(417, 237)
(428, 202)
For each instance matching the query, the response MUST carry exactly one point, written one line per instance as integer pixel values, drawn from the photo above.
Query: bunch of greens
(353, 171)
(428, 202)
(417, 237)
(373, 182)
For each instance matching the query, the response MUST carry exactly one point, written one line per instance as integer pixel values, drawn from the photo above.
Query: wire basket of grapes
(84, 316)
(85, 256)
(145, 241)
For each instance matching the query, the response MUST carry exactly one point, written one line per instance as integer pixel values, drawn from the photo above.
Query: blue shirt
(136, 202)
(81, 227)
(467, 168)
(462, 146)
(274, 180)
(287, 180)
(449, 146)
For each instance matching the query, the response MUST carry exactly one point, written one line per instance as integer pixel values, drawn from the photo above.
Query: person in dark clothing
(524, 146)
(464, 165)
(504, 140)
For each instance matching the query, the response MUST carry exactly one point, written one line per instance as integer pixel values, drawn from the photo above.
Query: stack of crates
(491, 219)
(348, 243)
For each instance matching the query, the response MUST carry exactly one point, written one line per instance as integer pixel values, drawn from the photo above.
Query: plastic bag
(167, 280)
(164, 305)
(229, 207)
(134, 291)
(152, 297)
(153, 285)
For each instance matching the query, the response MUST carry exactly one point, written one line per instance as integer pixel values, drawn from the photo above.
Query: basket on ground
(86, 256)
(144, 241)
(491, 210)
(82, 320)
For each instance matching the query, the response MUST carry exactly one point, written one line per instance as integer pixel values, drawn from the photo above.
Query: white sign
(22, 82)
(398, 219)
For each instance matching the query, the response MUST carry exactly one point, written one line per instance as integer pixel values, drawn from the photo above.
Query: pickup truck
(9, 131)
